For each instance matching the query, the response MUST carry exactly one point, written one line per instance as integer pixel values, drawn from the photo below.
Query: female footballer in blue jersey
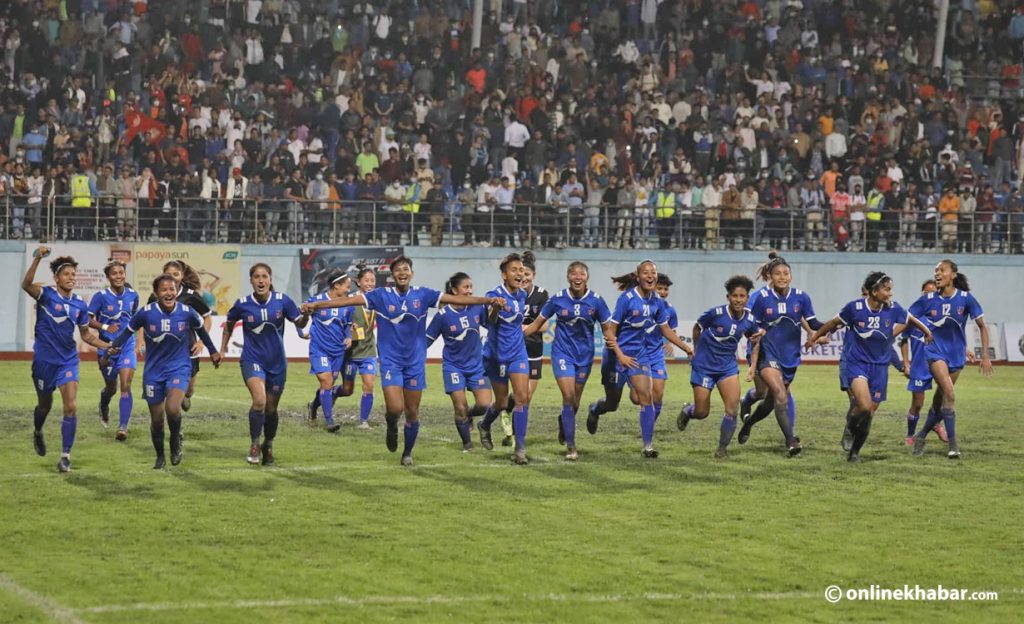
(166, 327)
(402, 311)
(362, 354)
(575, 311)
(779, 309)
(330, 335)
(658, 350)
(716, 335)
(947, 312)
(111, 309)
(263, 362)
(505, 358)
(916, 365)
(637, 308)
(462, 359)
(55, 354)
(189, 293)
(873, 322)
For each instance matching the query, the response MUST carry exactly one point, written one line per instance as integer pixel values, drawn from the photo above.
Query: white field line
(53, 609)
(444, 600)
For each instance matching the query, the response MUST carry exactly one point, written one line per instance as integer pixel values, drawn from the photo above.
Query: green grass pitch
(339, 532)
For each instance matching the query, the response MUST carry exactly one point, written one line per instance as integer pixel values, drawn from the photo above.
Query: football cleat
(722, 452)
(744, 434)
(918, 446)
(853, 458)
(64, 465)
(519, 457)
(121, 435)
(159, 463)
(847, 441)
(333, 426)
(467, 447)
(683, 419)
(365, 425)
(793, 446)
(649, 452)
(954, 449)
(254, 454)
(268, 454)
(391, 436)
(909, 441)
(485, 437)
(571, 454)
(39, 442)
(940, 430)
(407, 460)
(592, 419)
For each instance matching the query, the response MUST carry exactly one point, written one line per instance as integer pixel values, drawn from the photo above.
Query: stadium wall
(831, 278)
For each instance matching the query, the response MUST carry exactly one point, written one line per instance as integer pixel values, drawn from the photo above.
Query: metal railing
(196, 220)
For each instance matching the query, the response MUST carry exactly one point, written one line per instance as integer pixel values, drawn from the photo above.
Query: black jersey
(535, 300)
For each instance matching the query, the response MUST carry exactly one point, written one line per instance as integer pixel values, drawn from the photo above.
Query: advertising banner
(1014, 341)
(314, 264)
(218, 266)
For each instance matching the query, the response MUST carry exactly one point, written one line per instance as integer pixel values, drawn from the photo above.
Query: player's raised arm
(28, 283)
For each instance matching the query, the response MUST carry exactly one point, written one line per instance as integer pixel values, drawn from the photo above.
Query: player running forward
(947, 311)
(505, 359)
(536, 297)
(462, 365)
(779, 309)
(716, 335)
(914, 361)
(188, 294)
(166, 326)
(263, 362)
(330, 336)
(361, 357)
(637, 308)
(55, 354)
(402, 312)
(575, 310)
(111, 309)
(657, 348)
(873, 322)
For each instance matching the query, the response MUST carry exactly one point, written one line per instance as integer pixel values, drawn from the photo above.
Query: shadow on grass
(104, 488)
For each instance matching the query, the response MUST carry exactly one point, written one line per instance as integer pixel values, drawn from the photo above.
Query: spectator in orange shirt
(477, 78)
(949, 212)
(830, 179)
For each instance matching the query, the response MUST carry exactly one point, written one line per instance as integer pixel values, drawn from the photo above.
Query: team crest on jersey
(565, 313)
(769, 311)
(278, 315)
(181, 326)
(67, 373)
(391, 308)
(250, 318)
(960, 310)
(719, 329)
(878, 395)
(58, 307)
(934, 312)
(152, 328)
(416, 304)
(636, 312)
(796, 308)
(452, 328)
(860, 323)
(887, 323)
(413, 382)
(110, 308)
(176, 381)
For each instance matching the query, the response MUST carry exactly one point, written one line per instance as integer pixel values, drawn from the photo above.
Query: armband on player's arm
(814, 324)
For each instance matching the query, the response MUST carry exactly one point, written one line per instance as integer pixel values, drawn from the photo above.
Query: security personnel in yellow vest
(665, 214)
(873, 214)
(412, 208)
(81, 222)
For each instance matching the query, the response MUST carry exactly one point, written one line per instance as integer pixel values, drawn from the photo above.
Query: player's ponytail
(764, 272)
(452, 285)
(631, 280)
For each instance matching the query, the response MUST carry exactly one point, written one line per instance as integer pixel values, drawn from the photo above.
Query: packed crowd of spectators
(819, 124)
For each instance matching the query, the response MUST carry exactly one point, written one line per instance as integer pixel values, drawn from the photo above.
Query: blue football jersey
(505, 339)
(574, 323)
(947, 318)
(780, 316)
(634, 313)
(655, 339)
(108, 308)
(870, 336)
(56, 319)
(167, 336)
(263, 329)
(402, 321)
(463, 347)
(329, 328)
(719, 336)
